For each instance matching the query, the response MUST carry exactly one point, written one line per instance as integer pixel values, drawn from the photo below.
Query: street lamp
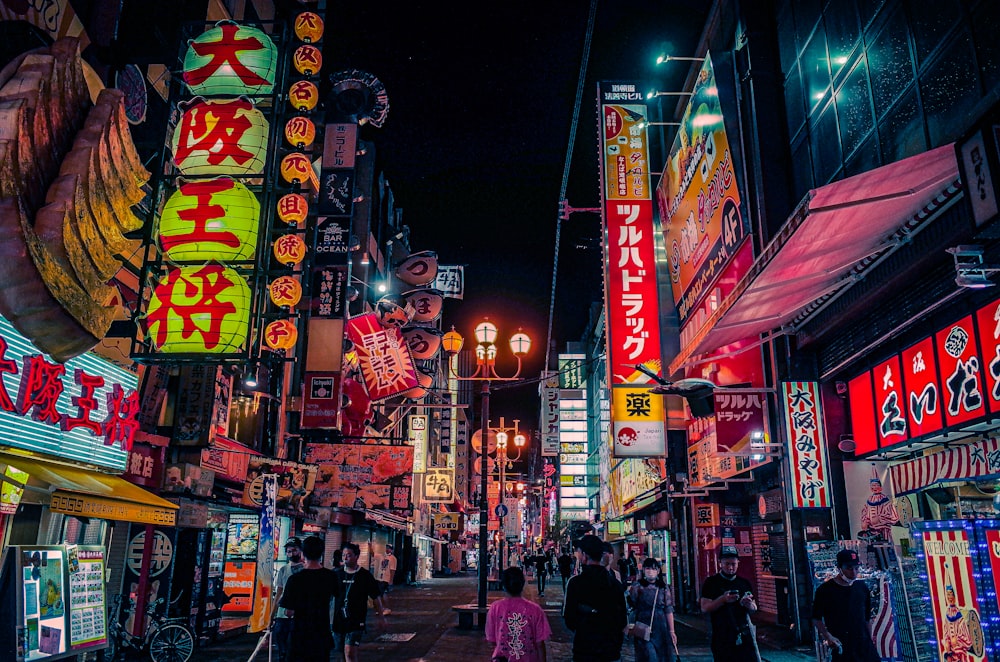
(504, 462)
(486, 353)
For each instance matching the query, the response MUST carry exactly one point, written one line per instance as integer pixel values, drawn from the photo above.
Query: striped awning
(977, 460)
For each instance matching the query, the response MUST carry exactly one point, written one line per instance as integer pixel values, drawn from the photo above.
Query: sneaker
(386, 612)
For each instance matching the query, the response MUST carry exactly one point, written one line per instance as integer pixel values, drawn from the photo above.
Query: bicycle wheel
(172, 643)
(110, 654)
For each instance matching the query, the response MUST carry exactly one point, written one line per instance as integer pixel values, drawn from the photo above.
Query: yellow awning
(86, 493)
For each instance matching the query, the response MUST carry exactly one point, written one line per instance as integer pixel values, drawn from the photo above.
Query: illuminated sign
(215, 219)
(82, 410)
(231, 59)
(89, 505)
(220, 138)
(805, 428)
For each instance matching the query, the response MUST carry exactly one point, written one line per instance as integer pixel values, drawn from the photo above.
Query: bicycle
(166, 639)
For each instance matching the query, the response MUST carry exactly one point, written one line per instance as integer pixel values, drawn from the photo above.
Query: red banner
(955, 606)
(383, 355)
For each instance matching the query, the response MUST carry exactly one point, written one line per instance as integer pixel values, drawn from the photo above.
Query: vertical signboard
(549, 428)
(921, 396)
(630, 286)
(807, 459)
(263, 591)
(889, 402)
(961, 372)
(417, 437)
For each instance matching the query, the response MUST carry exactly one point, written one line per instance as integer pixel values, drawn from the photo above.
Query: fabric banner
(362, 475)
(806, 432)
(266, 551)
(978, 460)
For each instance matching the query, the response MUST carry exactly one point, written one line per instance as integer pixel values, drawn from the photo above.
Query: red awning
(816, 253)
(972, 461)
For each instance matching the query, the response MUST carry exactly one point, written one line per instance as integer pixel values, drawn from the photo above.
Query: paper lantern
(303, 95)
(296, 168)
(281, 334)
(220, 138)
(425, 382)
(231, 59)
(418, 269)
(300, 132)
(427, 304)
(199, 310)
(424, 342)
(285, 291)
(307, 60)
(289, 249)
(293, 208)
(215, 219)
(309, 27)
(392, 310)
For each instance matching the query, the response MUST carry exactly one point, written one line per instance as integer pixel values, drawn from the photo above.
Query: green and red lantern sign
(220, 138)
(214, 219)
(231, 59)
(199, 310)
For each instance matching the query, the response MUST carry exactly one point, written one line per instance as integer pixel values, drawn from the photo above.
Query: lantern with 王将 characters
(214, 219)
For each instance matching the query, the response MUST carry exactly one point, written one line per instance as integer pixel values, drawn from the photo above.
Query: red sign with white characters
(988, 321)
(862, 399)
(889, 402)
(633, 309)
(383, 355)
(961, 372)
(922, 394)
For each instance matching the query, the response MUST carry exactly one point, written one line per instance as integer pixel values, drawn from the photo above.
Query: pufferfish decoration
(394, 311)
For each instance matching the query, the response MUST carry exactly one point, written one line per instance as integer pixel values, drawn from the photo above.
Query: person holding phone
(728, 599)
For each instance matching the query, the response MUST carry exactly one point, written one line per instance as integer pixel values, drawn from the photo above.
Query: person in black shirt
(594, 607)
(540, 561)
(729, 601)
(306, 598)
(565, 567)
(351, 613)
(841, 609)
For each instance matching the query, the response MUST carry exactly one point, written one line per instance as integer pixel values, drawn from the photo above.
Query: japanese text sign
(806, 445)
(738, 418)
(383, 355)
(439, 485)
(362, 475)
(417, 436)
(638, 423)
(81, 410)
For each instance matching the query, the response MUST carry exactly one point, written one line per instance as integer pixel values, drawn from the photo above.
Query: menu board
(241, 544)
(43, 583)
(87, 621)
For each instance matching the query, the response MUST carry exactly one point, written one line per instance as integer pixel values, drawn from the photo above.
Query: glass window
(865, 158)
(854, 108)
(815, 69)
(826, 145)
(842, 32)
(807, 13)
(889, 57)
(901, 133)
(867, 9)
(930, 22)
(787, 46)
(950, 91)
(986, 27)
(801, 167)
(794, 107)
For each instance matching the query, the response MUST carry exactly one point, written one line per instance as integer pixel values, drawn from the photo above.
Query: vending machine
(52, 602)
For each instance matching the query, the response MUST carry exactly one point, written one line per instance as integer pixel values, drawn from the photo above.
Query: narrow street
(422, 626)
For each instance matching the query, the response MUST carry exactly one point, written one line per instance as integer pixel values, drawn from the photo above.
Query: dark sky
(481, 104)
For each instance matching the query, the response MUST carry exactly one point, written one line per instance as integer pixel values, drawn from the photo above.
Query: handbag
(642, 630)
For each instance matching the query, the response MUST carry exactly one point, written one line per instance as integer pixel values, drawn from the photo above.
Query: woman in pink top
(517, 626)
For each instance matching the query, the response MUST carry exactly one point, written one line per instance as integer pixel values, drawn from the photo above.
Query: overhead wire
(575, 121)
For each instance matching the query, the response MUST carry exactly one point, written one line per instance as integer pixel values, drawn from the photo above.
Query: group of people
(320, 609)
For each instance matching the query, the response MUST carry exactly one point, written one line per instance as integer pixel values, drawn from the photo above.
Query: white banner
(417, 437)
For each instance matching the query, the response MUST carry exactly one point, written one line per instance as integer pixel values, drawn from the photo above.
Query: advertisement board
(362, 475)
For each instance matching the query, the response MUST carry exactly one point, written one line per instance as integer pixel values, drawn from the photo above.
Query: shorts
(384, 587)
(352, 638)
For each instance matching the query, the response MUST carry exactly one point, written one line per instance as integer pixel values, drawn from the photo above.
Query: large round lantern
(427, 304)
(296, 168)
(214, 219)
(293, 208)
(220, 138)
(285, 291)
(199, 310)
(231, 59)
(424, 342)
(289, 249)
(300, 132)
(303, 95)
(309, 27)
(307, 60)
(418, 269)
(281, 334)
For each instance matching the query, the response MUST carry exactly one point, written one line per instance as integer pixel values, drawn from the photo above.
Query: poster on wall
(954, 601)
(362, 475)
(295, 483)
(87, 619)
(876, 514)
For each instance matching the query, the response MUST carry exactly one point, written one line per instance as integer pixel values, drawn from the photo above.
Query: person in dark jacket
(565, 567)
(594, 607)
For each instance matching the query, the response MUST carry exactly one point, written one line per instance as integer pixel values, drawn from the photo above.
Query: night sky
(481, 104)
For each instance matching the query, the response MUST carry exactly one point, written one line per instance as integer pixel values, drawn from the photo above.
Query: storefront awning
(969, 462)
(85, 493)
(834, 234)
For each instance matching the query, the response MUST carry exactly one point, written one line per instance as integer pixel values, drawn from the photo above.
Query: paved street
(423, 627)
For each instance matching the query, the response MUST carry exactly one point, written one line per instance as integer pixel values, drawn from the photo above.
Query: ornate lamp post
(504, 462)
(486, 353)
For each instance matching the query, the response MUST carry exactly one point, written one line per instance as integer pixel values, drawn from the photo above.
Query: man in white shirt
(282, 628)
(385, 573)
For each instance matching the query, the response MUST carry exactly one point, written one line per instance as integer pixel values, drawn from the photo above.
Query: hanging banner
(263, 606)
(639, 429)
(450, 281)
(383, 355)
(417, 437)
(806, 445)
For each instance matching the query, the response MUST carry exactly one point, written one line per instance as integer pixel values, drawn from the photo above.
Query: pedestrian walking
(841, 609)
(351, 613)
(565, 562)
(385, 573)
(307, 597)
(540, 574)
(594, 607)
(517, 626)
(653, 635)
(608, 561)
(281, 626)
(729, 600)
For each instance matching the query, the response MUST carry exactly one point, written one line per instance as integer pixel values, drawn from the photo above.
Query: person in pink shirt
(517, 626)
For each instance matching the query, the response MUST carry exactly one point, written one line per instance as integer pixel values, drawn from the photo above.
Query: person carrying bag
(653, 636)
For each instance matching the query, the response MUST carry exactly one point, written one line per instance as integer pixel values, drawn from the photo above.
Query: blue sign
(501, 510)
